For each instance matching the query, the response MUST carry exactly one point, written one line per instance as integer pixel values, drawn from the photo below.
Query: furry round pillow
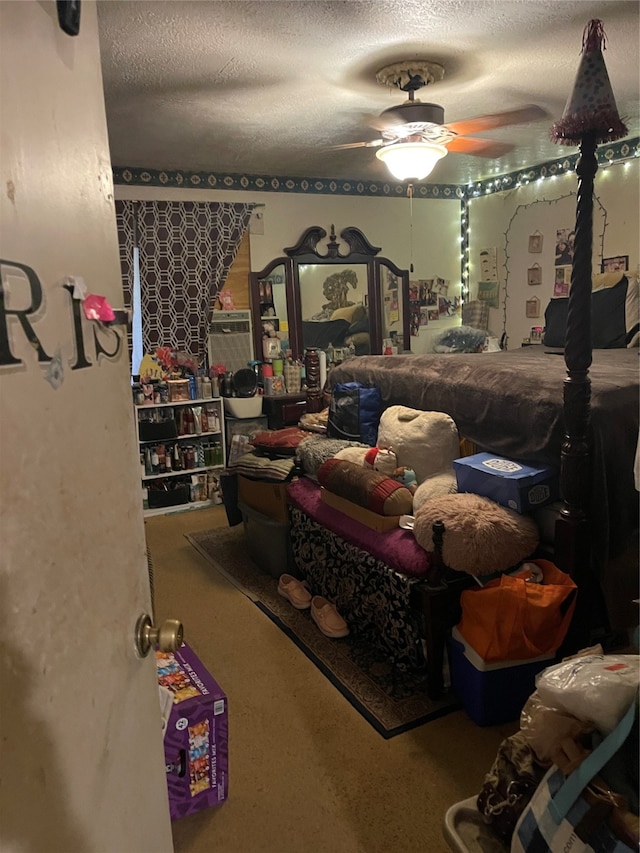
(480, 536)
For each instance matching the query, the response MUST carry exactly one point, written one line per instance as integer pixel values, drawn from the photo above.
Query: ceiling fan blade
(478, 147)
(489, 122)
(373, 144)
(381, 122)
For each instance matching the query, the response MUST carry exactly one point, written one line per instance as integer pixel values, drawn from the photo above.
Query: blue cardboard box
(516, 485)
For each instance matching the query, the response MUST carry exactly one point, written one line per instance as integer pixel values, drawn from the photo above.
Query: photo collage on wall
(562, 281)
(616, 264)
(565, 238)
(488, 286)
(429, 302)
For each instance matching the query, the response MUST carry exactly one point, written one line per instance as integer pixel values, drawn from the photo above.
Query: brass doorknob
(167, 637)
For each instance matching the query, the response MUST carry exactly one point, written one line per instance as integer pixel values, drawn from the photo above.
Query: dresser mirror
(339, 297)
(272, 305)
(334, 303)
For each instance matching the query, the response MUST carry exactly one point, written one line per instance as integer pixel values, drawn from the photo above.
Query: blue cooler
(491, 693)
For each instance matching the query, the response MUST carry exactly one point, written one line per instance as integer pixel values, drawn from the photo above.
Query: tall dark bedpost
(572, 532)
(590, 118)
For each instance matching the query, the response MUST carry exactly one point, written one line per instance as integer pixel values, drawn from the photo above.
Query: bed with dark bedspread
(511, 404)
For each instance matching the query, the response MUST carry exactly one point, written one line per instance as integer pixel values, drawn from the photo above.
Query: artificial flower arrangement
(176, 364)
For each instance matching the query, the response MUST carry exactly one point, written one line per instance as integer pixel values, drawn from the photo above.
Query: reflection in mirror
(334, 306)
(391, 298)
(273, 310)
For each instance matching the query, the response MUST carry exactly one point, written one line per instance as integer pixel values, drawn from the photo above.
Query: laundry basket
(465, 831)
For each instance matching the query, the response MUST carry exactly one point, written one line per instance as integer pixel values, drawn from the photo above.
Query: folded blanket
(258, 467)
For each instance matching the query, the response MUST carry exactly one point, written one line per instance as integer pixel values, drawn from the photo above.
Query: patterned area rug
(392, 701)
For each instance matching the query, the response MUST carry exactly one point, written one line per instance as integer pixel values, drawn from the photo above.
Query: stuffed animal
(384, 461)
(381, 459)
(406, 476)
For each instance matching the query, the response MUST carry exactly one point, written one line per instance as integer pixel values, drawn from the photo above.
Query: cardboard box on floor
(270, 499)
(196, 734)
(359, 513)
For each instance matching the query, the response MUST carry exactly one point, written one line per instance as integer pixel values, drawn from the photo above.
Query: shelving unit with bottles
(182, 451)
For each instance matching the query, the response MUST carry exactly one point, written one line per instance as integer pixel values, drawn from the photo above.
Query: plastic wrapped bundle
(460, 339)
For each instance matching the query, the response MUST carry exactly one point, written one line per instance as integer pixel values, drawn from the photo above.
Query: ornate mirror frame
(359, 252)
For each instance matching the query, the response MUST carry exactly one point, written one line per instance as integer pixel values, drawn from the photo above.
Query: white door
(81, 761)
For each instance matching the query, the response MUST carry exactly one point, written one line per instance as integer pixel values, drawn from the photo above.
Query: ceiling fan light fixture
(411, 160)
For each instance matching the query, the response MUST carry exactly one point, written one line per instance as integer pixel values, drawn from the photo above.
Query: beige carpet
(307, 772)
(391, 700)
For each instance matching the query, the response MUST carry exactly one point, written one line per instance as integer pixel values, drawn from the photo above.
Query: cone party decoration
(591, 107)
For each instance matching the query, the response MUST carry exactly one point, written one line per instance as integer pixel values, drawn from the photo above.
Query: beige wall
(385, 222)
(505, 220)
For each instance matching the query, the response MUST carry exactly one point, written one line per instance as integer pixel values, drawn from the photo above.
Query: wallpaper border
(132, 176)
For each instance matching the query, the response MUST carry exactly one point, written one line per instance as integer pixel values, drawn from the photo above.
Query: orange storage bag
(512, 618)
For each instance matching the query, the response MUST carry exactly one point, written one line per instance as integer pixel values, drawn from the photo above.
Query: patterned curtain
(125, 219)
(186, 251)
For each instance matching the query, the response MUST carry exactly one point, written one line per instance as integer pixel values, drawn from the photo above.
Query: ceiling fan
(414, 135)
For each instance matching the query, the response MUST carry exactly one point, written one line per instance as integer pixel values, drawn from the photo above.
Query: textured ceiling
(267, 87)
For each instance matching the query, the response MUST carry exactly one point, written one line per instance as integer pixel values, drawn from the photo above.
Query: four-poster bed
(575, 408)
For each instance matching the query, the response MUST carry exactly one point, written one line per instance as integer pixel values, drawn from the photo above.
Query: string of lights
(464, 250)
(503, 185)
(613, 155)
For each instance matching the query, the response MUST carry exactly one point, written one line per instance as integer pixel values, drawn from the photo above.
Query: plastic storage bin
(491, 693)
(174, 497)
(268, 541)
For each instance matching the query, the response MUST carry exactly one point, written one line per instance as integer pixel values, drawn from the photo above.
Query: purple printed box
(196, 744)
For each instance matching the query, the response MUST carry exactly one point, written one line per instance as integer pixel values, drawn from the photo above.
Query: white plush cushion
(428, 442)
(434, 487)
(353, 454)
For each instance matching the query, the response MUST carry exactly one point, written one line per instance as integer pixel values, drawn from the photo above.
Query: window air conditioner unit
(230, 339)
